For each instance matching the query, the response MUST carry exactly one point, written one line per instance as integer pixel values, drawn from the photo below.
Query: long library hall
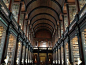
(42, 32)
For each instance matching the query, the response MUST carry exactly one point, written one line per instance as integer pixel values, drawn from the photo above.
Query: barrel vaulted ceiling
(43, 14)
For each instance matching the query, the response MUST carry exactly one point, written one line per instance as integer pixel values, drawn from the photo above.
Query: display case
(11, 48)
(18, 53)
(23, 55)
(2, 39)
(75, 50)
(83, 34)
(59, 56)
(62, 55)
(81, 3)
(72, 12)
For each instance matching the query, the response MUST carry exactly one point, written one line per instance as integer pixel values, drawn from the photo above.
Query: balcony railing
(42, 48)
(14, 22)
(66, 31)
(82, 12)
(72, 24)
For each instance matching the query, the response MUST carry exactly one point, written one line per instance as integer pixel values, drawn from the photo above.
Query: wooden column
(31, 54)
(60, 28)
(64, 53)
(21, 54)
(60, 57)
(23, 23)
(70, 51)
(47, 57)
(38, 63)
(56, 55)
(63, 23)
(57, 32)
(80, 47)
(80, 42)
(28, 31)
(25, 55)
(10, 5)
(19, 13)
(26, 27)
(77, 6)
(15, 55)
(28, 55)
(68, 15)
(53, 56)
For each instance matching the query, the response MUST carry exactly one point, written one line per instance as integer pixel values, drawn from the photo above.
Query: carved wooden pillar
(19, 13)
(15, 55)
(68, 15)
(25, 55)
(63, 23)
(21, 53)
(23, 23)
(60, 28)
(38, 63)
(77, 6)
(64, 53)
(60, 57)
(47, 57)
(80, 42)
(26, 28)
(10, 5)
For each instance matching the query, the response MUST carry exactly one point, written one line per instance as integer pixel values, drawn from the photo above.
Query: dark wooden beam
(77, 6)
(19, 13)
(68, 15)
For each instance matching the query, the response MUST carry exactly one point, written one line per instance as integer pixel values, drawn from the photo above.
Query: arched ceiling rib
(43, 24)
(55, 1)
(44, 10)
(43, 13)
(43, 21)
(39, 7)
(43, 17)
(43, 27)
